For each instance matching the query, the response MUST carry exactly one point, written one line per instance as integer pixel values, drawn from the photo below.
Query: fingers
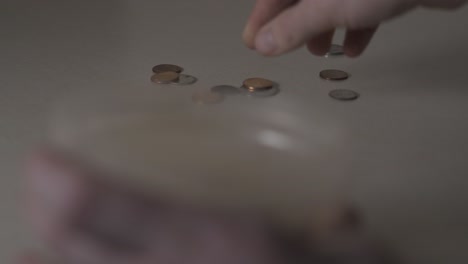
(55, 193)
(263, 12)
(320, 45)
(296, 25)
(356, 41)
(80, 219)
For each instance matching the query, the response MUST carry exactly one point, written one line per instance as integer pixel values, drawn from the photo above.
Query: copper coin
(167, 68)
(261, 93)
(226, 90)
(258, 84)
(165, 77)
(184, 79)
(334, 75)
(344, 95)
(335, 50)
(207, 97)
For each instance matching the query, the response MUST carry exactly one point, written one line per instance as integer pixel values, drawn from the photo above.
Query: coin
(165, 77)
(335, 50)
(334, 75)
(185, 79)
(344, 95)
(167, 68)
(261, 93)
(207, 97)
(258, 84)
(226, 90)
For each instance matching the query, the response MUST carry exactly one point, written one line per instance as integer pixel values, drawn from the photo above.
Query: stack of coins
(171, 74)
(260, 87)
(338, 75)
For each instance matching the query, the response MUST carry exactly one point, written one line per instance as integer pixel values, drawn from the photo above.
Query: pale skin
(65, 200)
(276, 27)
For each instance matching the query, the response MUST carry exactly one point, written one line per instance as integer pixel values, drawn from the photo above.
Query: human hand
(279, 26)
(82, 219)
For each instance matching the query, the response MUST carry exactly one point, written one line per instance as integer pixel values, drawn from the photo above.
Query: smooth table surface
(409, 129)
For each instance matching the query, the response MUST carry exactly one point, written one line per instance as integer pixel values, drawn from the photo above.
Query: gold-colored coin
(334, 75)
(167, 68)
(207, 97)
(258, 84)
(165, 77)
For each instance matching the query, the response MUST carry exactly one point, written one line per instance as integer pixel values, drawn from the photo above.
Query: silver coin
(185, 79)
(335, 50)
(344, 95)
(261, 93)
(226, 90)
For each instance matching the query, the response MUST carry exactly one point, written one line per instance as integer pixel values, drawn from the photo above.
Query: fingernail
(265, 43)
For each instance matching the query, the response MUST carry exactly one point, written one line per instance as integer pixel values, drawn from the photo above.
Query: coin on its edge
(344, 95)
(335, 50)
(207, 97)
(334, 75)
(167, 68)
(165, 77)
(258, 84)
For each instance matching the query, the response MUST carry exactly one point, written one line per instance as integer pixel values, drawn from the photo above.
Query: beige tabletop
(409, 129)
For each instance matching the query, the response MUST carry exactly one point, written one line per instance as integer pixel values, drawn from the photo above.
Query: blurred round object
(276, 156)
(207, 97)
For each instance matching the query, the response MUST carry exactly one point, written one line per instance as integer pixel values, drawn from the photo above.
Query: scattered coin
(258, 84)
(226, 90)
(165, 77)
(335, 50)
(167, 68)
(185, 79)
(334, 75)
(344, 95)
(207, 97)
(262, 93)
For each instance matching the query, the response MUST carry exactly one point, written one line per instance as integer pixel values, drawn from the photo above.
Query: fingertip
(353, 52)
(357, 41)
(248, 36)
(321, 44)
(265, 43)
